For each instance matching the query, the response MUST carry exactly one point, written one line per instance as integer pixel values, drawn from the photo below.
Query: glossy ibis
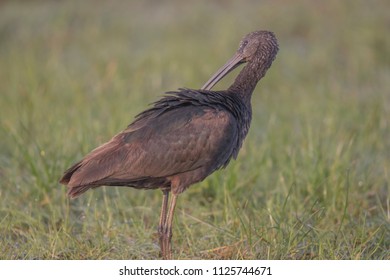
(184, 137)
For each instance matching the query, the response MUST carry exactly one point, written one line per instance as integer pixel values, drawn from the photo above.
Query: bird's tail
(78, 190)
(74, 191)
(65, 179)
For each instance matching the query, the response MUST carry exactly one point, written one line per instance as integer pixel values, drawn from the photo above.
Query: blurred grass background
(311, 182)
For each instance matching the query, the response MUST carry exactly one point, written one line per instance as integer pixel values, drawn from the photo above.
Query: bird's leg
(163, 219)
(167, 236)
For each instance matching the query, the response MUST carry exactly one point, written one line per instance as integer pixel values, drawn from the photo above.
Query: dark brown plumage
(182, 138)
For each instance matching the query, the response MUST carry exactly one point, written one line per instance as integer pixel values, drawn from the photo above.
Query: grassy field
(312, 180)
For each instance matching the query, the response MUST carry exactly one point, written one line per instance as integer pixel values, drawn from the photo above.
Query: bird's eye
(243, 44)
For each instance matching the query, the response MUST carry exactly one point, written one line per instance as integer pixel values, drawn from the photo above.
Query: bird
(181, 138)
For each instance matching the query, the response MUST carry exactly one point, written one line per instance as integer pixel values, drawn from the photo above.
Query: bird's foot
(165, 238)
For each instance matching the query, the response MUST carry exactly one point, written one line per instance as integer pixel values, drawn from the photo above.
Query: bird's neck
(247, 79)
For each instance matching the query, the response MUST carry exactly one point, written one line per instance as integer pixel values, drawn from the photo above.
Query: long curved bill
(232, 63)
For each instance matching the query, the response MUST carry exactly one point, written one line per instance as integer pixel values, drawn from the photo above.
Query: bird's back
(183, 137)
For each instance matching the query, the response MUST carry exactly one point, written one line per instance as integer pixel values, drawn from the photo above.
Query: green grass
(311, 182)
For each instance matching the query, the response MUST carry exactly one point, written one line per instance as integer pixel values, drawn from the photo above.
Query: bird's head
(258, 47)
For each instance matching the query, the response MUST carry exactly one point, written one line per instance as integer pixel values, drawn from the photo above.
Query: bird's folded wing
(179, 140)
